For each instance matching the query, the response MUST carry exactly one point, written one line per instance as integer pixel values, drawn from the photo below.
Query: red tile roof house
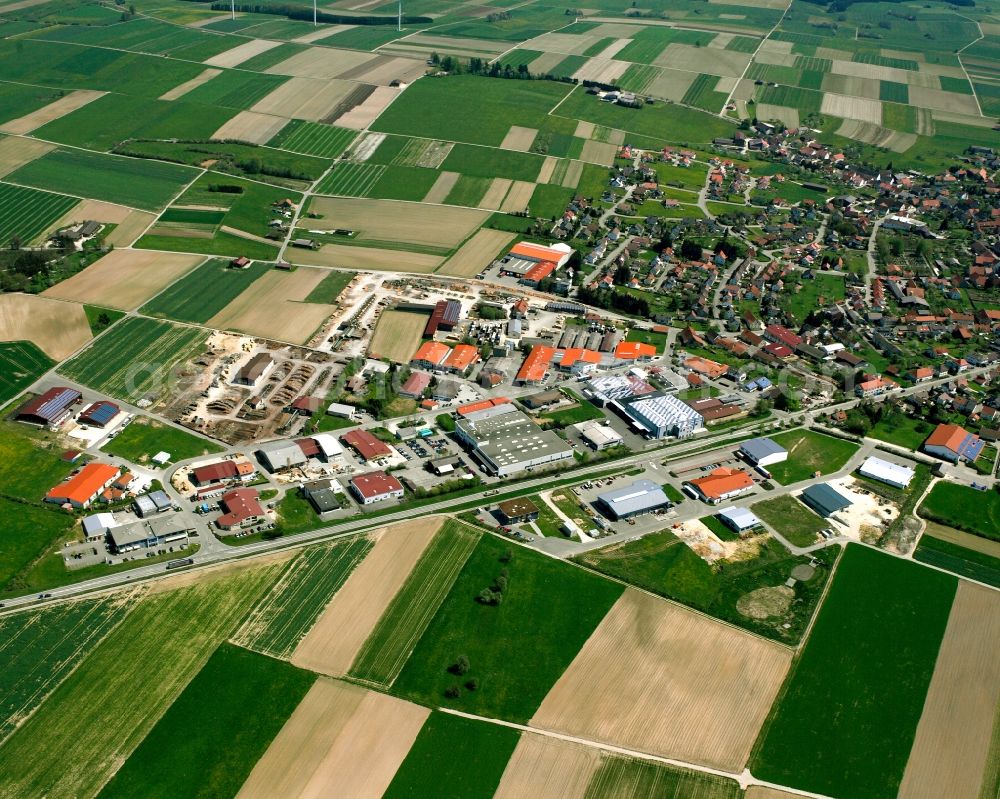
(376, 487)
(242, 509)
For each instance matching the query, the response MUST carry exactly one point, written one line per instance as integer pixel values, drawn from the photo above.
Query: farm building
(516, 511)
(739, 520)
(721, 484)
(430, 355)
(148, 534)
(376, 487)
(445, 316)
(824, 499)
(85, 486)
(241, 508)
(659, 415)
(327, 445)
(51, 408)
(306, 406)
(642, 496)
(221, 471)
(366, 445)
(886, 472)
(152, 504)
(341, 411)
(953, 443)
(99, 414)
(323, 494)
(763, 452)
(277, 455)
(599, 436)
(254, 370)
(505, 440)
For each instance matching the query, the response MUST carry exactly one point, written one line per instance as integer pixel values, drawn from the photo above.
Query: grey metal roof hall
(642, 496)
(759, 448)
(824, 499)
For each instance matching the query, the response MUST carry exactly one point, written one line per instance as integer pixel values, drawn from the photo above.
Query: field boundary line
(753, 56)
(958, 55)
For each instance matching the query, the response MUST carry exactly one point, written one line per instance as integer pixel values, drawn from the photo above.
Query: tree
(103, 320)
(691, 250)
(452, 692)
(460, 666)
(472, 684)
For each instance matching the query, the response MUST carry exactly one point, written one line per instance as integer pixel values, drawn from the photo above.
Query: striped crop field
(313, 138)
(21, 364)
(137, 359)
(384, 654)
(351, 180)
(292, 606)
(25, 213)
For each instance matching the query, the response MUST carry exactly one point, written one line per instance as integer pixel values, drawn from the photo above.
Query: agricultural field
(543, 767)
(213, 708)
(960, 553)
(27, 213)
(398, 335)
(385, 652)
(312, 138)
(41, 648)
(964, 508)
(170, 633)
(143, 438)
(30, 532)
(30, 464)
(279, 622)
(138, 358)
(810, 452)
(626, 776)
(662, 679)
(203, 292)
(21, 363)
(860, 683)
(57, 328)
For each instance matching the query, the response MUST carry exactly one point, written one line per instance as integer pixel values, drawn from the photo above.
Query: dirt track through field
(334, 641)
(662, 679)
(548, 768)
(240, 53)
(125, 278)
(16, 152)
(951, 747)
(58, 328)
(189, 85)
(341, 741)
(251, 127)
(54, 110)
(272, 306)
(477, 253)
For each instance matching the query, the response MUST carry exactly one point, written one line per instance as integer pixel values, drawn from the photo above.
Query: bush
(452, 692)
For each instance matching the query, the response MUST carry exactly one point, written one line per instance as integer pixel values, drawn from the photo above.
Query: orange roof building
(85, 486)
(953, 443)
(538, 252)
(710, 369)
(535, 365)
(634, 350)
(722, 484)
(481, 405)
(538, 273)
(461, 358)
(578, 359)
(430, 355)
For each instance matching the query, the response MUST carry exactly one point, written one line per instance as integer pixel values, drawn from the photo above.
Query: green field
(454, 757)
(488, 162)
(791, 519)
(29, 531)
(517, 649)
(809, 452)
(139, 183)
(203, 292)
(143, 438)
(332, 287)
(135, 359)
(385, 652)
(902, 430)
(806, 299)
(313, 138)
(351, 180)
(111, 696)
(964, 508)
(42, 647)
(620, 776)
(27, 213)
(279, 622)
(211, 710)
(957, 559)
(21, 364)
(30, 462)
(663, 564)
(859, 685)
(236, 89)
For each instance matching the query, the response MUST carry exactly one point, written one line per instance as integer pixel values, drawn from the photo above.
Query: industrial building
(221, 471)
(341, 411)
(505, 441)
(445, 316)
(721, 484)
(368, 447)
(277, 455)
(642, 496)
(85, 486)
(607, 388)
(886, 472)
(376, 487)
(96, 526)
(99, 414)
(51, 408)
(241, 508)
(763, 452)
(659, 415)
(254, 370)
(152, 504)
(599, 436)
(323, 494)
(148, 534)
(739, 520)
(824, 499)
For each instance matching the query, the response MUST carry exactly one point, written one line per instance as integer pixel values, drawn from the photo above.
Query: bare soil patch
(519, 138)
(477, 253)
(602, 70)
(728, 63)
(188, 85)
(370, 259)
(584, 129)
(547, 168)
(54, 110)
(16, 152)
(572, 177)
(320, 62)
(362, 115)
(332, 644)
(442, 187)
(548, 768)
(493, 198)
(858, 108)
(125, 278)
(251, 126)
(273, 307)
(305, 98)
(951, 750)
(545, 62)
(341, 741)
(944, 101)
(660, 678)
(58, 328)
(241, 53)
(519, 196)
(599, 152)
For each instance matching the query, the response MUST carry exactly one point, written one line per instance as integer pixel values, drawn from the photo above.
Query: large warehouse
(506, 441)
(660, 415)
(886, 472)
(642, 496)
(50, 408)
(824, 499)
(763, 452)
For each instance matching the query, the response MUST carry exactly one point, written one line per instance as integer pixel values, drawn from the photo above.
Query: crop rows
(38, 649)
(25, 213)
(625, 776)
(278, 623)
(383, 655)
(351, 180)
(135, 359)
(702, 93)
(313, 138)
(21, 363)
